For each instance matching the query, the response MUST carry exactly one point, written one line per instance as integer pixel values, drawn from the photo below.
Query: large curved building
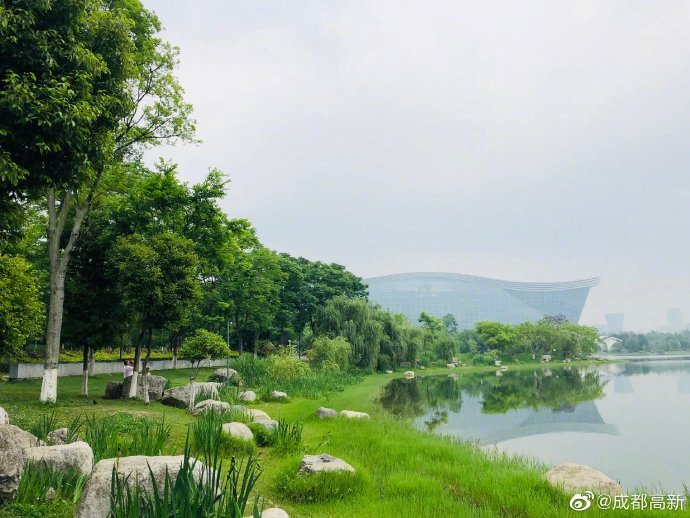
(475, 299)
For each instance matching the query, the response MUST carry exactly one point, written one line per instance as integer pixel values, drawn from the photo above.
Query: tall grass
(41, 482)
(208, 437)
(44, 425)
(114, 437)
(210, 495)
(286, 436)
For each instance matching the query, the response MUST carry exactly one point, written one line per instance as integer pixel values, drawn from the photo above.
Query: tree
(450, 323)
(496, 335)
(330, 353)
(84, 85)
(157, 281)
(21, 308)
(203, 346)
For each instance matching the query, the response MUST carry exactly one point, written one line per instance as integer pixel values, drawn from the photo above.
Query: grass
(402, 471)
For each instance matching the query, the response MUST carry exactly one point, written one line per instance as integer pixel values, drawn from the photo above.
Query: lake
(629, 420)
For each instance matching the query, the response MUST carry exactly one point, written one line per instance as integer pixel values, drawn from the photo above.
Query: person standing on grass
(129, 368)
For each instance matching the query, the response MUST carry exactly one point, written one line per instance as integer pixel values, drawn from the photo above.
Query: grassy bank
(401, 471)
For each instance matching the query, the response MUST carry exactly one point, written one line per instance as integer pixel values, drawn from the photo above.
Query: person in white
(129, 368)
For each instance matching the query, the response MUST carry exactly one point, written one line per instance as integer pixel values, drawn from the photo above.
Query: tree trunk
(85, 371)
(146, 385)
(256, 342)
(137, 367)
(148, 349)
(92, 360)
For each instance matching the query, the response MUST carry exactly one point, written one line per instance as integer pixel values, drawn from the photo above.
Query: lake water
(631, 420)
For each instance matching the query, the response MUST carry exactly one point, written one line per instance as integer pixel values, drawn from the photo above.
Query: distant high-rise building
(614, 322)
(675, 319)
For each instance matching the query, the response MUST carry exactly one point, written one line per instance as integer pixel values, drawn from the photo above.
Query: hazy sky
(539, 140)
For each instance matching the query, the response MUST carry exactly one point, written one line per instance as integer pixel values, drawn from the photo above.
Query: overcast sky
(539, 140)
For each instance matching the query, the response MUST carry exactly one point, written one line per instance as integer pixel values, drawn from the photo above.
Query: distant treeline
(653, 342)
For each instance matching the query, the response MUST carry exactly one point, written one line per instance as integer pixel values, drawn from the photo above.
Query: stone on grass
(13, 441)
(268, 424)
(277, 394)
(389, 372)
(546, 358)
(224, 374)
(409, 374)
(351, 414)
(326, 413)
(4, 416)
(450, 365)
(324, 463)
(113, 390)
(207, 404)
(239, 430)
(95, 500)
(156, 387)
(575, 478)
(274, 512)
(63, 457)
(257, 415)
(59, 436)
(247, 395)
(180, 397)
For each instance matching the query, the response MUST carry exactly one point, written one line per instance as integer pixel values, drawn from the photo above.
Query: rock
(409, 374)
(113, 390)
(497, 363)
(274, 512)
(546, 358)
(257, 415)
(59, 436)
(504, 368)
(351, 414)
(389, 372)
(277, 394)
(499, 373)
(322, 463)
(95, 500)
(575, 478)
(422, 367)
(206, 404)
(224, 374)
(4, 416)
(77, 455)
(180, 396)
(450, 365)
(239, 430)
(325, 413)
(268, 424)
(248, 395)
(13, 441)
(156, 387)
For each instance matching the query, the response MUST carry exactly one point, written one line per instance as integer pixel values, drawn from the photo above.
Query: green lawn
(403, 472)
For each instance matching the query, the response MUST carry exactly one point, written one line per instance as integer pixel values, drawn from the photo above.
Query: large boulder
(77, 455)
(180, 396)
(274, 512)
(575, 478)
(268, 424)
(256, 414)
(247, 395)
(324, 463)
(95, 500)
(113, 390)
(277, 394)
(156, 387)
(239, 430)
(13, 441)
(207, 404)
(4, 416)
(409, 374)
(351, 414)
(223, 375)
(326, 413)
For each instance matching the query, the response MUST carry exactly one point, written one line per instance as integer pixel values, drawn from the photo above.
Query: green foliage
(209, 439)
(262, 436)
(287, 436)
(204, 346)
(45, 424)
(318, 487)
(253, 371)
(38, 478)
(330, 353)
(21, 308)
(121, 435)
(284, 366)
(487, 359)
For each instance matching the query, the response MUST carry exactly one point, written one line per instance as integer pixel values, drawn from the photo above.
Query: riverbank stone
(323, 463)
(575, 478)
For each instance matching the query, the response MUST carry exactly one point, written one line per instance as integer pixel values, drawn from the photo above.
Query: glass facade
(475, 299)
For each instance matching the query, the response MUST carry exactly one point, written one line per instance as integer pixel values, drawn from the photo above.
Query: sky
(529, 141)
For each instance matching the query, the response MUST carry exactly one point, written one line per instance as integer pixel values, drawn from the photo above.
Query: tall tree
(84, 85)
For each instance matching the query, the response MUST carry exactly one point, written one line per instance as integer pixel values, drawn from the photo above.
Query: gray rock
(409, 374)
(324, 463)
(326, 413)
(4, 416)
(180, 396)
(257, 415)
(113, 390)
(575, 478)
(351, 414)
(277, 394)
(206, 404)
(77, 455)
(95, 500)
(224, 374)
(59, 436)
(156, 387)
(239, 430)
(248, 395)
(13, 441)
(274, 512)
(268, 424)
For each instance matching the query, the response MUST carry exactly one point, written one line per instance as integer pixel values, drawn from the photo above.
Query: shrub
(330, 353)
(252, 371)
(286, 436)
(285, 366)
(483, 359)
(262, 436)
(318, 487)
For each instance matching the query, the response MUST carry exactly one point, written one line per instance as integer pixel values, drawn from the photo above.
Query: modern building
(474, 299)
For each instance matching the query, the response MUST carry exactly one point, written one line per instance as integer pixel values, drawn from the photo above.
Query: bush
(330, 353)
(285, 366)
(252, 371)
(203, 346)
(483, 359)
(262, 436)
(286, 436)
(384, 363)
(317, 487)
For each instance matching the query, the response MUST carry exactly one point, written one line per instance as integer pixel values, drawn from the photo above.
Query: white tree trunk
(85, 382)
(49, 385)
(146, 387)
(192, 397)
(133, 385)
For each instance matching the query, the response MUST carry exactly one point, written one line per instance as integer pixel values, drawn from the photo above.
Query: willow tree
(84, 86)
